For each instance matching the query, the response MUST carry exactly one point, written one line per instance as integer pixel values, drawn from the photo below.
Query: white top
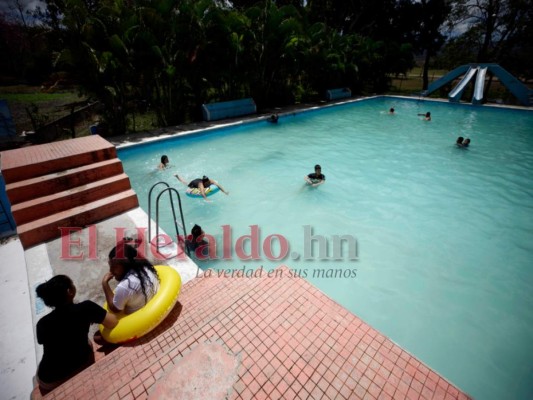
(129, 296)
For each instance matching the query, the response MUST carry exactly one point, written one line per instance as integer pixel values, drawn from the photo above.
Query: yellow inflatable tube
(133, 326)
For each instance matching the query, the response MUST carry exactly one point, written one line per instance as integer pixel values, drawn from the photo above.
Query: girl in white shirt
(137, 277)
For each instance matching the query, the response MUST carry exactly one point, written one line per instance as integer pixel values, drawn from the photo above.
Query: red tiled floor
(291, 341)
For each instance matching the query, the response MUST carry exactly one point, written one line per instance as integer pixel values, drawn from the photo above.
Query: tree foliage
(497, 31)
(174, 55)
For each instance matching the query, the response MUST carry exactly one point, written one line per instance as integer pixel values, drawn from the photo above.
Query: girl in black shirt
(63, 332)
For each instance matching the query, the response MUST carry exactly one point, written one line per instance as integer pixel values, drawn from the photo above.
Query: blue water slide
(517, 88)
(457, 92)
(450, 76)
(480, 85)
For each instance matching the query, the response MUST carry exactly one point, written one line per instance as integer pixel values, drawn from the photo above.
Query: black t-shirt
(315, 178)
(194, 183)
(63, 334)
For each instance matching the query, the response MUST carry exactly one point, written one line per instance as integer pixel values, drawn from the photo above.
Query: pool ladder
(177, 224)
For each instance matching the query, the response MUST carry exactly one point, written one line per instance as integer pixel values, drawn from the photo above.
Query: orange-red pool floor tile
(287, 339)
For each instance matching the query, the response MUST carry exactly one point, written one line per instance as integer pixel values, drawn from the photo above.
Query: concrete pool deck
(23, 270)
(243, 337)
(257, 338)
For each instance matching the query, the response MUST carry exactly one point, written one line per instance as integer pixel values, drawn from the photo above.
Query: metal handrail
(170, 190)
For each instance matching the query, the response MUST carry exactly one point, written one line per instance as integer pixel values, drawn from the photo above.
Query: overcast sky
(9, 7)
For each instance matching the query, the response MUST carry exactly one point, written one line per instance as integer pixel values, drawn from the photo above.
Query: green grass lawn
(48, 106)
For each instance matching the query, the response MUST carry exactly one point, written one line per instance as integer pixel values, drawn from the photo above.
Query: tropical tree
(96, 53)
(496, 31)
(273, 47)
(174, 55)
(423, 23)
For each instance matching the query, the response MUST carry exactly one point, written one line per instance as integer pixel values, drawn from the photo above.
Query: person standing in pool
(317, 178)
(164, 162)
(196, 242)
(201, 185)
(63, 332)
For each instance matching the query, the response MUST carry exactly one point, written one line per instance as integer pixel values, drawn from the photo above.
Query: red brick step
(37, 208)
(34, 161)
(32, 188)
(47, 228)
(71, 183)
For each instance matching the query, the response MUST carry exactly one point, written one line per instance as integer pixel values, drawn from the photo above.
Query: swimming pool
(443, 235)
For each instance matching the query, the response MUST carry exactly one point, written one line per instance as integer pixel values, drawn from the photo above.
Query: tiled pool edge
(293, 342)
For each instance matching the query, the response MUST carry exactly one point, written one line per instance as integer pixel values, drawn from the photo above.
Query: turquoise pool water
(444, 236)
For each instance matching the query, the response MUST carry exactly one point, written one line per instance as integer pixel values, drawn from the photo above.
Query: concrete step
(47, 228)
(56, 182)
(34, 161)
(40, 207)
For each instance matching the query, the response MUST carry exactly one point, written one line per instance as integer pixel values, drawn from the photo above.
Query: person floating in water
(273, 119)
(466, 142)
(427, 116)
(317, 178)
(391, 111)
(201, 184)
(164, 162)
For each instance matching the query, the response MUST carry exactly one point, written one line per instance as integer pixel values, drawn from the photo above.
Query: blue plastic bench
(335, 94)
(228, 109)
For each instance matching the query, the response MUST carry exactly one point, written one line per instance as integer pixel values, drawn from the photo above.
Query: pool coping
(144, 137)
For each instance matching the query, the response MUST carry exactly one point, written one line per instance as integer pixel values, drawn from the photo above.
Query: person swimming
(391, 111)
(427, 116)
(316, 178)
(164, 162)
(201, 185)
(461, 142)
(273, 119)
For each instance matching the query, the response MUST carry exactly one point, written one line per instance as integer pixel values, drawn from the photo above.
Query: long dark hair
(134, 265)
(55, 291)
